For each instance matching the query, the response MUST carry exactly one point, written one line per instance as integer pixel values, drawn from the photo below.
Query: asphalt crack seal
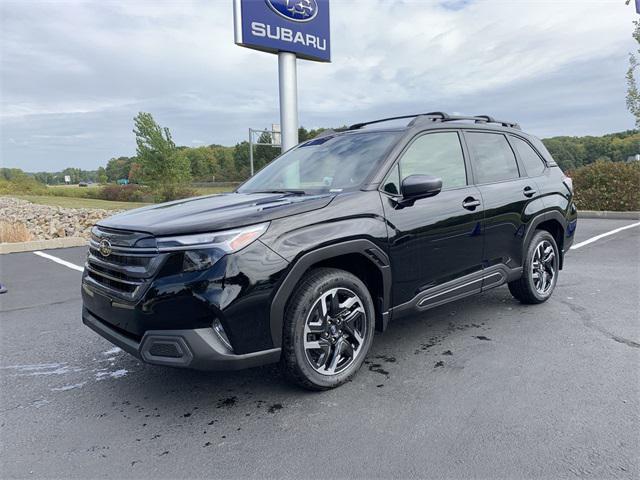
(588, 322)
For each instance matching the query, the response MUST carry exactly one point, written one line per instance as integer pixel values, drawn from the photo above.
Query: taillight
(569, 183)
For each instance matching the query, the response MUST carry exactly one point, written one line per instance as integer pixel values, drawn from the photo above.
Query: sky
(75, 73)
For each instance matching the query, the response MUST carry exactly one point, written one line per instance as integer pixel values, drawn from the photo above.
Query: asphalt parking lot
(481, 388)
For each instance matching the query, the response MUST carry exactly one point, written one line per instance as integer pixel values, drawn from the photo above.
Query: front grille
(127, 270)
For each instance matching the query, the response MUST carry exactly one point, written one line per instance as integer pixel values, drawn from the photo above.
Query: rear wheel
(540, 270)
(328, 329)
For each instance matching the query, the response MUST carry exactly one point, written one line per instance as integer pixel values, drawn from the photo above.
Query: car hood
(214, 212)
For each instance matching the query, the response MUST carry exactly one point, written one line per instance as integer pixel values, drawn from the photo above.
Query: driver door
(437, 240)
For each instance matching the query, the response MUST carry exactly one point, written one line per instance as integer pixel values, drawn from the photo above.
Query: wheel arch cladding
(360, 257)
(552, 222)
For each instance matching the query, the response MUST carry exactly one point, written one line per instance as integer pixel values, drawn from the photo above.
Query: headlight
(196, 260)
(228, 241)
(201, 251)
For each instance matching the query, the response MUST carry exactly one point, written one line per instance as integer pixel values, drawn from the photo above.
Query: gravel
(45, 222)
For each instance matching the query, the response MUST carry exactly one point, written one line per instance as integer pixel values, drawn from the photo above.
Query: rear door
(509, 198)
(437, 239)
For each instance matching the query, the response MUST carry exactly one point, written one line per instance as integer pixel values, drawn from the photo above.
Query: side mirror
(420, 186)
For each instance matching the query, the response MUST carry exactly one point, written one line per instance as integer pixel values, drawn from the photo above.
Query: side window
(437, 154)
(531, 160)
(492, 157)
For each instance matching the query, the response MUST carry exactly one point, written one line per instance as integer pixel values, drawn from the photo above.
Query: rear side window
(492, 157)
(437, 154)
(531, 160)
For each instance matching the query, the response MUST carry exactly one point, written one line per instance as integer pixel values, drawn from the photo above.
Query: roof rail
(441, 115)
(438, 117)
(490, 119)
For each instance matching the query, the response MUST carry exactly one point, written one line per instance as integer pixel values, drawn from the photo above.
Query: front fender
(360, 246)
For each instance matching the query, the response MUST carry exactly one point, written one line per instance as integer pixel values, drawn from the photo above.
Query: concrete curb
(43, 245)
(610, 215)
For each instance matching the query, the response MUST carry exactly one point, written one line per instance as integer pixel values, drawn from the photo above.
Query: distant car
(83, 184)
(332, 240)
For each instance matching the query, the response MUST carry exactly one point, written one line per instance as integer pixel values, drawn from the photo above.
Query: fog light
(222, 335)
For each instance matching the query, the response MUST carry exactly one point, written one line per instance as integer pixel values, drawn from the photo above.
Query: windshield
(328, 164)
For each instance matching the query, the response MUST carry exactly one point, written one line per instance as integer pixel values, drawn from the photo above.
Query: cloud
(75, 73)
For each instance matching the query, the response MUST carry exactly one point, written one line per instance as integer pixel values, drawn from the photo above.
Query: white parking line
(70, 265)
(602, 235)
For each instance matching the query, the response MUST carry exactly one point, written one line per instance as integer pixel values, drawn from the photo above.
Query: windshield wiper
(288, 192)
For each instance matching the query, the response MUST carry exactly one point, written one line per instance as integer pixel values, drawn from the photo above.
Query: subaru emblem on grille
(105, 247)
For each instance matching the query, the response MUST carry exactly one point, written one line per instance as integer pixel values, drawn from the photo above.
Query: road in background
(482, 388)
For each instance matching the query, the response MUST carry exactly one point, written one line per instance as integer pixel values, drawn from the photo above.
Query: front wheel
(540, 270)
(328, 329)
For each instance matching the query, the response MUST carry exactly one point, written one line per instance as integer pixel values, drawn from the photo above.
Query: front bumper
(198, 348)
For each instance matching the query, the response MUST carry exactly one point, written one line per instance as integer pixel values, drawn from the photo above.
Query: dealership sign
(296, 26)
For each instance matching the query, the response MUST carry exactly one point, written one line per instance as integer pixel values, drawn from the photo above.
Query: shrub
(607, 186)
(123, 193)
(22, 185)
(13, 232)
(166, 193)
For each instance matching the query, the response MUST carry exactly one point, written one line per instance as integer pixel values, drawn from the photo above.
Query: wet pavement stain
(386, 358)
(482, 337)
(227, 402)
(376, 367)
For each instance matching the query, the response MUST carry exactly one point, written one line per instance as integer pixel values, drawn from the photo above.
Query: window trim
(396, 161)
(515, 156)
(513, 147)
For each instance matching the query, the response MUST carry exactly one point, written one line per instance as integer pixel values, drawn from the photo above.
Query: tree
(633, 95)
(163, 168)
(241, 161)
(101, 177)
(264, 154)
(135, 173)
(118, 168)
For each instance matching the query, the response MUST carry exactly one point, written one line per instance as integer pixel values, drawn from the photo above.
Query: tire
(312, 335)
(538, 278)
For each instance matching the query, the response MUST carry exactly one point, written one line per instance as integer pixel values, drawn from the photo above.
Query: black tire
(527, 288)
(317, 287)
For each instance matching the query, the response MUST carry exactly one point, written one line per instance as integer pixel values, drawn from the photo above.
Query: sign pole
(288, 82)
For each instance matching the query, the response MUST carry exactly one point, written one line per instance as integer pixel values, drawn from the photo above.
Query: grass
(76, 202)
(13, 232)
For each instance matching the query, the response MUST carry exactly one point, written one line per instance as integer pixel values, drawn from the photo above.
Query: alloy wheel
(543, 267)
(334, 331)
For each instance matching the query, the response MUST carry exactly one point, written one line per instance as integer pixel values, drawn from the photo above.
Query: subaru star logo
(105, 248)
(296, 10)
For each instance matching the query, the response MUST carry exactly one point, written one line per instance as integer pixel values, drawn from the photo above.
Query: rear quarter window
(531, 160)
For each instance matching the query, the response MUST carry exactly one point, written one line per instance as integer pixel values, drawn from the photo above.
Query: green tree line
(161, 164)
(576, 152)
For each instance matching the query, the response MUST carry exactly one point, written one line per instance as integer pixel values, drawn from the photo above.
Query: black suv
(330, 241)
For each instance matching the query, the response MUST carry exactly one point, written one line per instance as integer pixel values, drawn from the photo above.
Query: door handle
(528, 191)
(470, 203)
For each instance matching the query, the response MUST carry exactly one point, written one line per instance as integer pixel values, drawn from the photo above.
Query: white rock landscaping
(46, 222)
